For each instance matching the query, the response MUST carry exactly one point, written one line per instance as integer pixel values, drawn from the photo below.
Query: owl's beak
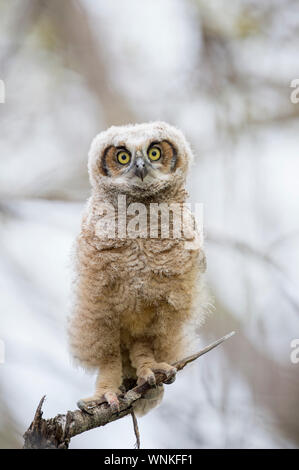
(140, 168)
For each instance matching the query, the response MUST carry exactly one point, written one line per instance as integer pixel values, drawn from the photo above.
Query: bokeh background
(221, 71)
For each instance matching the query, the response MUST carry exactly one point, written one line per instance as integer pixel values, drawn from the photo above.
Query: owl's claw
(168, 371)
(149, 378)
(148, 375)
(113, 402)
(171, 379)
(88, 404)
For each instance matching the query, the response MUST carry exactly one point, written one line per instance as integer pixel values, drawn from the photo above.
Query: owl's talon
(87, 406)
(148, 377)
(151, 380)
(170, 380)
(112, 401)
(168, 371)
(114, 407)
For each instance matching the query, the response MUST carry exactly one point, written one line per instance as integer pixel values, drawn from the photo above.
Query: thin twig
(136, 429)
(183, 362)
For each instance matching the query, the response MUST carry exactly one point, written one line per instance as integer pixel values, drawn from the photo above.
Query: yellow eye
(123, 157)
(154, 153)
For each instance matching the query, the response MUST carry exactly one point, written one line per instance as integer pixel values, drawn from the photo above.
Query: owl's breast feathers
(136, 274)
(146, 266)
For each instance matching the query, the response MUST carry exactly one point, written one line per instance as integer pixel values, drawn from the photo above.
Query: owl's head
(140, 159)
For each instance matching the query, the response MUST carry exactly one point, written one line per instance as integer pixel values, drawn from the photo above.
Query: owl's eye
(123, 157)
(154, 153)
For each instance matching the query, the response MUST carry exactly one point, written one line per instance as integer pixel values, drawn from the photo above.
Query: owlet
(139, 263)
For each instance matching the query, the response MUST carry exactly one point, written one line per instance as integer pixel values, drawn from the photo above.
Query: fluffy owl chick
(135, 283)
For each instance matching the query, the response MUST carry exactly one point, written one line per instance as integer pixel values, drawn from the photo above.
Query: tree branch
(56, 433)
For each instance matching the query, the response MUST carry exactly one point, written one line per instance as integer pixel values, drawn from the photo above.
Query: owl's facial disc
(143, 166)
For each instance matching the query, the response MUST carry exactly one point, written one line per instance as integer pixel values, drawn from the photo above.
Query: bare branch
(183, 362)
(56, 433)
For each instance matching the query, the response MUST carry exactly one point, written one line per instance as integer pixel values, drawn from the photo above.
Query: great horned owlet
(135, 291)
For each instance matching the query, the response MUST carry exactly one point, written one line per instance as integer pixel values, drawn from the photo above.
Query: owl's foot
(88, 404)
(148, 374)
(167, 370)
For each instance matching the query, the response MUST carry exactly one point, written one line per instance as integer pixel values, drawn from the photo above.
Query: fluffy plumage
(134, 297)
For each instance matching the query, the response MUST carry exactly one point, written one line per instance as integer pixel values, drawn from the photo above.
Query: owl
(137, 293)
